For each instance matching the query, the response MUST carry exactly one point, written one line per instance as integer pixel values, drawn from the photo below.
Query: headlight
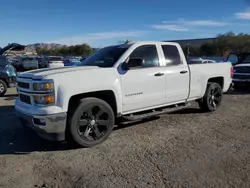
(44, 99)
(43, 86)
(8, 71)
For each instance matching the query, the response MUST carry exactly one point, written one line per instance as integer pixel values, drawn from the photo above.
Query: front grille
(242, 69)
(237, 76)
(23, 85)
(25, 98)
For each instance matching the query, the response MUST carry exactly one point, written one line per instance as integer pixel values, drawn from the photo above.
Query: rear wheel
(91, 123)
(212, 98)
(3, 88)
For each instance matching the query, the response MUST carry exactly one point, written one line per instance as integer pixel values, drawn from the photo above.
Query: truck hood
(12, 46)
(41, 73)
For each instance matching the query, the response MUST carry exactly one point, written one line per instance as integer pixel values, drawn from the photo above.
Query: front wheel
(3, 88)
(91, 123)
(212, 98)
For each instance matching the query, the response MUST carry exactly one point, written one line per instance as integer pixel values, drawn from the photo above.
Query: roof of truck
(143, 43)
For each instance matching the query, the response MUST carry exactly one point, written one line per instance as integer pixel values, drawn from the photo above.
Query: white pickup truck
(122, 82)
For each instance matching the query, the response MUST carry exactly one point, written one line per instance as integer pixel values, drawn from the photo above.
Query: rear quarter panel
(201, 73)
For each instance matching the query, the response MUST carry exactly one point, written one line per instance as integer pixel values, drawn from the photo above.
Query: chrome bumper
(49, 127)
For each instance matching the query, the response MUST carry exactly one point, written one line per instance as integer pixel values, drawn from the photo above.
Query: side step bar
(155, 112)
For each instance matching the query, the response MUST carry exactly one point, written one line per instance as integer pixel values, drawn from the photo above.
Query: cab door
(143, 87)
(176, 74)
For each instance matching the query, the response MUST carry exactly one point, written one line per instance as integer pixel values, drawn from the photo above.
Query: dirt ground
(183, 149)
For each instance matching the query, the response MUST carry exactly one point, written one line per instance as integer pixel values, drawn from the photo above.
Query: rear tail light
(232, 71)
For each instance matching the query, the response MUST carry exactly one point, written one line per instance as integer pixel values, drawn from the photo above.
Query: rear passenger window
(148, 53)
(171, 54)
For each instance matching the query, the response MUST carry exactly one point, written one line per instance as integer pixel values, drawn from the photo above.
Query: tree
(208, 49)
(77, 50)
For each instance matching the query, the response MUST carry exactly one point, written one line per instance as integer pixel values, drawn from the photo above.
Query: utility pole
(187, 50)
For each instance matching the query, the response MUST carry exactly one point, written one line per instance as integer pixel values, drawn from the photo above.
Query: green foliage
(223, 42)
(77, 50)
(208, 49)
(232, 42)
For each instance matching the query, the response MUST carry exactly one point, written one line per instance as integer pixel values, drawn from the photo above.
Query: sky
(106, 22)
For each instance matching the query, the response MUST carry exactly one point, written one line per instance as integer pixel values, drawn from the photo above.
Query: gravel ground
(184, 149)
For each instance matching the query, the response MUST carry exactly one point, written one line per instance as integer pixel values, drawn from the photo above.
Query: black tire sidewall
(206, 99)
(73, 124)
(5, 87)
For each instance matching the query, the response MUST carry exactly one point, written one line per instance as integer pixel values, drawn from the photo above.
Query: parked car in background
(16, 64)
(83, 58)
(52, 62)
(40, 62)
(200, 61)
(71, 62)
(241, 72)
(27, 63)
(7, 71)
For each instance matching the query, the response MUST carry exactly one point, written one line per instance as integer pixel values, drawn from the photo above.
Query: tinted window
(148, 53)
(171, 54)
(246, 59)
(105, 57)
(28, 59)
(232, 58)
(55, 58)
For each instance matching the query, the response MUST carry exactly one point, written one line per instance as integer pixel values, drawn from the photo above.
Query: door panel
(177, 83)
(143, 86)
(177, 75)
(142, 89)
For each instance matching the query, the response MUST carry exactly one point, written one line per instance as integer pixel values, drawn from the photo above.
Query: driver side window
(148, 53)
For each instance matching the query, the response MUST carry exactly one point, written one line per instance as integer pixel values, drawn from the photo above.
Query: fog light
(40, 122)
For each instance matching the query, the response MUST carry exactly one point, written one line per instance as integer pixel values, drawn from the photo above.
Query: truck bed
(200, 73)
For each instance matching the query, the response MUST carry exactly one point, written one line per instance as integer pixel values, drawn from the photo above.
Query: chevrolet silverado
(127, 82)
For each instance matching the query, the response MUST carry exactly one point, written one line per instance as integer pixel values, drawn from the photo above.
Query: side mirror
(133, 62)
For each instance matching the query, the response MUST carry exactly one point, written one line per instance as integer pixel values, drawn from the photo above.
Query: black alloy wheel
(3, 88)
(92, 122)
(212, 98)
(215, 96)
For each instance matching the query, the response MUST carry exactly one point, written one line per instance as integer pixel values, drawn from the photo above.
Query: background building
(193, 42)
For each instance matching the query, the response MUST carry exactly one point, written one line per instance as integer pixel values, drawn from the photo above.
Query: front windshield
(105, 57)
(246, 59)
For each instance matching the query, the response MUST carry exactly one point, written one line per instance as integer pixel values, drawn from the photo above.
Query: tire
(212, 98)
(97, 124)
(3, 88)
